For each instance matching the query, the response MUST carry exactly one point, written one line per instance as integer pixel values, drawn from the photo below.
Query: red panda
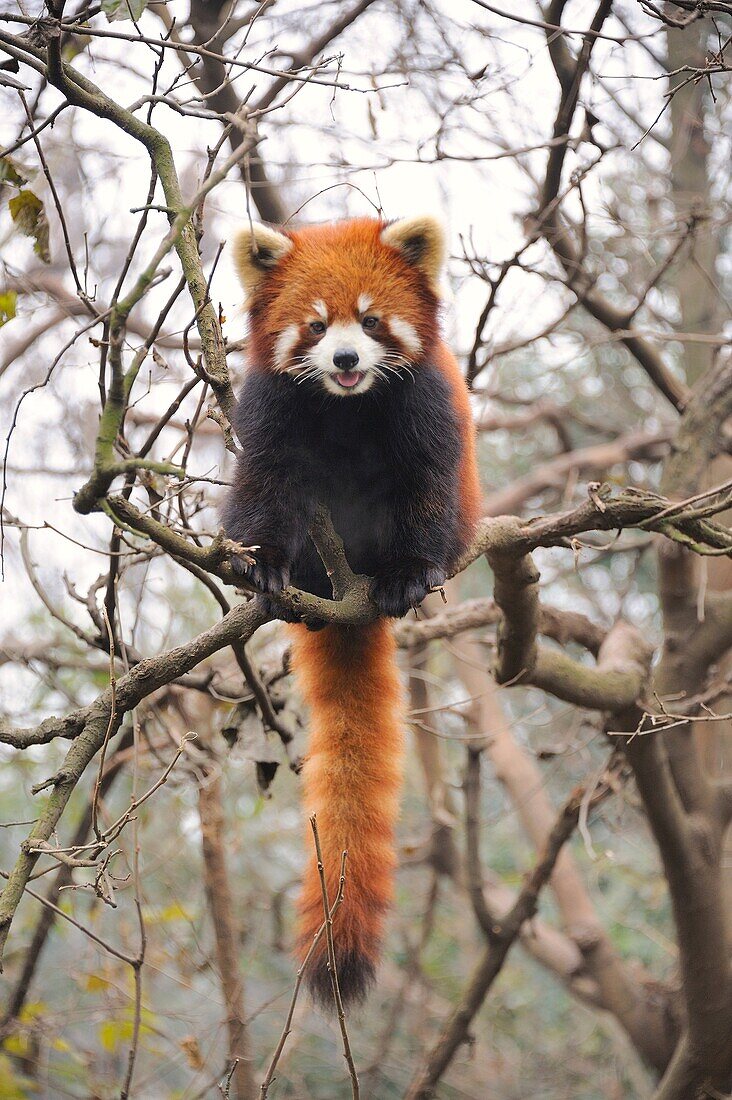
(350, 399)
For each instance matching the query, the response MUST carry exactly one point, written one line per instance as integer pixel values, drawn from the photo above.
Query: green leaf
(11, 173)
(8, 302)
(123, 9)
(28, 213)
(75, 45)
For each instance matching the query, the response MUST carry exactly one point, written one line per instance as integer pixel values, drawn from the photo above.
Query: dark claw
(403, 588)
(269, 578)
(239, 565)
(264, 576)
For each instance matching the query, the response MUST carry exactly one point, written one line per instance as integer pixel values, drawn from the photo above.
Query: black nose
(345, 359)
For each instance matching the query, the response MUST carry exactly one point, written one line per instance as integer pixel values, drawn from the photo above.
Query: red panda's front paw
(270, 573)
(396, 590)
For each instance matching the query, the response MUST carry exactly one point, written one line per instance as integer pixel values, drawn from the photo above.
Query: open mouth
(349, 378)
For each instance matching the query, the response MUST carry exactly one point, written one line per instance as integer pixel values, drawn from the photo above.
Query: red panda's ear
(422, 243)
(256, 250)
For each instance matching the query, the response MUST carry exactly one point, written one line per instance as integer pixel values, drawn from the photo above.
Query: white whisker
(395, 363)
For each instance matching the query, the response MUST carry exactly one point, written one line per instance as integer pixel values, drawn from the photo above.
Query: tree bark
(701, 309)
(226, 933)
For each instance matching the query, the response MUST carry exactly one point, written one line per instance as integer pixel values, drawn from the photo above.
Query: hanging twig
(332, 970)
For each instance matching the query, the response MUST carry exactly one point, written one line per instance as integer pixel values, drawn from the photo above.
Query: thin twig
(110, 726)
(332, 970)
(269, 1076)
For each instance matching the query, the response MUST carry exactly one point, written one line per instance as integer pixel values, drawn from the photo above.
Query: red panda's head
(345, 304)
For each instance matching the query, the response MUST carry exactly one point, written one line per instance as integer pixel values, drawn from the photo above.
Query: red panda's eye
(370, 322)
(317, 327)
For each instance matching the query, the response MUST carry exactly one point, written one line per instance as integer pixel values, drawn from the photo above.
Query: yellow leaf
(31, 1011)
(95, 982)
(16, 1045)
(112, 1033)
(116, 1033)
(174, 911)
(12, 1086)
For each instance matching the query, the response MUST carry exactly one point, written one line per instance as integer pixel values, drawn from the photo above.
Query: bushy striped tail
(352, 777)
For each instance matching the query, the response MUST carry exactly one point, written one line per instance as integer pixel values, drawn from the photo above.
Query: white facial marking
(320, 308)
(406, 333)
(346, 337)
(285, 345)
(363, 303)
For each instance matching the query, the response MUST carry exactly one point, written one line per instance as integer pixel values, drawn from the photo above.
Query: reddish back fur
(351, 781)
(470, 493)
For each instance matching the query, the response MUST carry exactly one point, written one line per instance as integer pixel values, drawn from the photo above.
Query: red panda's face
(347, 347)
(345, 306)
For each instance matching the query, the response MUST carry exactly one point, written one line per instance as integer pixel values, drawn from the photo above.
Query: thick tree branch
(617, 681)
(561, 625)
(689, 850)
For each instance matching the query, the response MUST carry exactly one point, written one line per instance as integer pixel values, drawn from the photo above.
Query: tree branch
(503, 935)
(94, 726)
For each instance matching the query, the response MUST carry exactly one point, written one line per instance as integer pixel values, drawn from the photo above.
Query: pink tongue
(349, 378)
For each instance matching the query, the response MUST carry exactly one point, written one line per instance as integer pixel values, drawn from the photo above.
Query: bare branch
(503, 935)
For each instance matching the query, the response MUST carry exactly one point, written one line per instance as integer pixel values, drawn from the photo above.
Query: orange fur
(351, 781)
(338, 263)
(470, 493)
